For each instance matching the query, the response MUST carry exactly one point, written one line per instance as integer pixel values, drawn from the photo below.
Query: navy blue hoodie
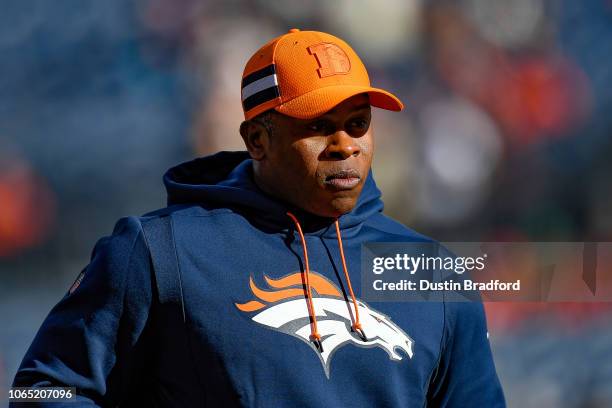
(241, 333)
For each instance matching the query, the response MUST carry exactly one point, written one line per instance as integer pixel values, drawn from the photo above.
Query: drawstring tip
(317, 343)
(360, 331)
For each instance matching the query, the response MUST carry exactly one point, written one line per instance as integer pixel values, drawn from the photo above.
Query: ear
(256, 139)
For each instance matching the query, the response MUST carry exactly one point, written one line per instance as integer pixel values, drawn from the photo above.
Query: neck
(310, 222)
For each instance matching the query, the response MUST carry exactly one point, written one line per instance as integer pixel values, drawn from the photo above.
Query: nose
(341, 146)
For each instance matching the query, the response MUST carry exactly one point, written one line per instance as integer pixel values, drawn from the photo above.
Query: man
(245, 290)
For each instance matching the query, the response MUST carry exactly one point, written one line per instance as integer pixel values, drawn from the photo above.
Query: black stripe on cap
(260, 97)
(264, 72)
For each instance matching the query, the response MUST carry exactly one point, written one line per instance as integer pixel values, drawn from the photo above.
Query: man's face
(320, 165)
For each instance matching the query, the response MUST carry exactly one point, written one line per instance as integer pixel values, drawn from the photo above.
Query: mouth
(343, 179)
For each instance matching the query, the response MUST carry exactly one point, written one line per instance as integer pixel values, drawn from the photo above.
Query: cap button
(294, 30)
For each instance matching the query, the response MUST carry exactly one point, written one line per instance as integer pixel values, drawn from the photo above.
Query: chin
(340, 207)
(333, 204)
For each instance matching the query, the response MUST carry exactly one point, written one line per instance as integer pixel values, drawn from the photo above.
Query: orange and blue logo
(283, 307)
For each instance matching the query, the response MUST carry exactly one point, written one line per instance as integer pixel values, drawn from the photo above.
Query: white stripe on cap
(266, 82)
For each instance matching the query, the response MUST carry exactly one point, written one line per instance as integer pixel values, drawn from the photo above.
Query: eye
(358, 126)
(318, 126)
(360, 123)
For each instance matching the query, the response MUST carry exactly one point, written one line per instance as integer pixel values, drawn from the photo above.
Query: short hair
(266, 119)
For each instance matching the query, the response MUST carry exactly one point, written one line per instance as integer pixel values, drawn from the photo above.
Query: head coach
(245, 289)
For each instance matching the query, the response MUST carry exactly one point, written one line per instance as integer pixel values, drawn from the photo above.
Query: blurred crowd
(506, 136)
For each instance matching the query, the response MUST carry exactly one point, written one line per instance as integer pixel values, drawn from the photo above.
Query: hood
(225, 180)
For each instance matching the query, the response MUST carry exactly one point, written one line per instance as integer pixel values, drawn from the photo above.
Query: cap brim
(316, 103)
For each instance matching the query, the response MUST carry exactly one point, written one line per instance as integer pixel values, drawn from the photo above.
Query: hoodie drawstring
(315, 337)
(357, 325)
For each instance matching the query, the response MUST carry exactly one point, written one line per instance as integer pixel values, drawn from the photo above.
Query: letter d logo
(332, 59)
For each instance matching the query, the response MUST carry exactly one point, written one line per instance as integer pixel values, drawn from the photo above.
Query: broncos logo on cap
(284, 308)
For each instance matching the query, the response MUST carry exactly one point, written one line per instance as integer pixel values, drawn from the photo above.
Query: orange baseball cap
(304, 74)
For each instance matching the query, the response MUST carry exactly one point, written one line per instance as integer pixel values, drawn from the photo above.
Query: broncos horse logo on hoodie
(284, 308)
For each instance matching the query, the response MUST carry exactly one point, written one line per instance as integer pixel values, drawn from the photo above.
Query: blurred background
(506, 136)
